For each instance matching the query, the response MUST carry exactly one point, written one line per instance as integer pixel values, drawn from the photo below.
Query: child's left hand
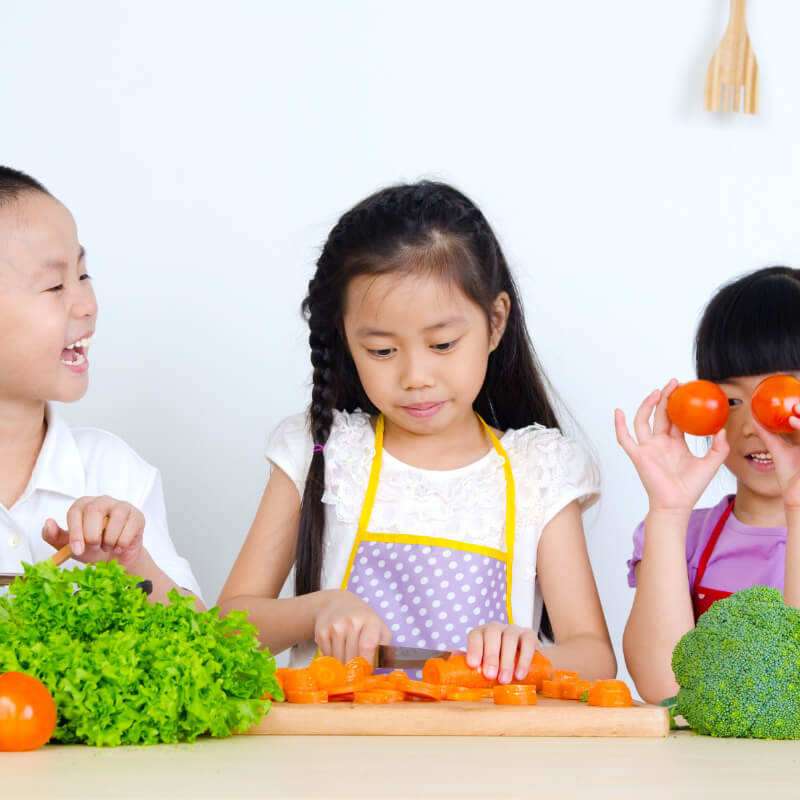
(495, 647)
(785, 452)
(99, 529)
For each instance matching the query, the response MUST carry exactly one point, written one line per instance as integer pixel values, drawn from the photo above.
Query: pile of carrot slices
(327, 679)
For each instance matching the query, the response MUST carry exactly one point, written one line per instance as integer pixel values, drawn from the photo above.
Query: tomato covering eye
(773, 402)
(698, 407)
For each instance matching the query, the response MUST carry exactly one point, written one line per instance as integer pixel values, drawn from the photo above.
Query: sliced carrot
(379, 696)
(464, 693)
(434, 671)
(328, 671)
(540, 670)
(610, 693)
(356, 669)
(514, 694)
(564, 675)
(572, 690)
(339, 693)
(425, 691)
(551, 689)
(299, 680)
(307, 696)
(458, 673)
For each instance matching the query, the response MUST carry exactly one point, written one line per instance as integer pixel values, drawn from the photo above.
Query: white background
(205, 150)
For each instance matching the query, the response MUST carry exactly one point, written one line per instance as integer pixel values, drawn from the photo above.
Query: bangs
(751, 327)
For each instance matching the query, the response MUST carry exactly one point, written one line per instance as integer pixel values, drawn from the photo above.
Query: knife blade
(392, 657)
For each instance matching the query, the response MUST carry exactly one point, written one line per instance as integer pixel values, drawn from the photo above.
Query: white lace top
(467, 504)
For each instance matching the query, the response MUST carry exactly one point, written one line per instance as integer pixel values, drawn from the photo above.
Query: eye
(55, 288)
(444, 347)
(85, 277)
(734, 401)
(383, 352)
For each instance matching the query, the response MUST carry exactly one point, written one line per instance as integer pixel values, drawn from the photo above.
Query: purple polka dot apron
(431, 591)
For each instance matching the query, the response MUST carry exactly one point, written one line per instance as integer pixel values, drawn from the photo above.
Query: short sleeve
(290, 448)
(554, 470)
(638, 547)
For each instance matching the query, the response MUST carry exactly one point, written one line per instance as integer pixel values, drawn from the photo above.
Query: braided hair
(422, 226)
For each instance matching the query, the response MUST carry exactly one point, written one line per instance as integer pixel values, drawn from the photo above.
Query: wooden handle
(62, 555)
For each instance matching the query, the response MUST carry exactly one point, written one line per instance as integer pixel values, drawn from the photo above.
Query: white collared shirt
(80, 462)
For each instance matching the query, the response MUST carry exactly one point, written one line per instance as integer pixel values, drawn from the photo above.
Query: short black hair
(13, 182)
(751, 326)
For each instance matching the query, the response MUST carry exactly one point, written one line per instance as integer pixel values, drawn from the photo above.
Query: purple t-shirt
(744, 556)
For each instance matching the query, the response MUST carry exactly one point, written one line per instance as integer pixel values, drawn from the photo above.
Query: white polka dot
(460, 576)
(415, 632)
(463, 618)
(451, 595)
(411, 589)
(381, 563)
(362, 560)
(494, 595)
(399, 566)
(407, 548)
(404, 608)
(373, 582)
(392, 556)
(389, 545)
(390, 615)
(369, 570)
(431, 561)
(436, 603)
(449, 626)
(456, 638)
(423, 580)
(453, 564)
(416, 600)
(409, 620)
(421, 643)
(401, 637)
(387, 574)
(442, 615)
(479, 579)
(437, 573)
(457, 607)
(423, 612)
(428, 623)
(444, 584)
(447, 553)
(393, 585)
(428, 592)
(485, 560)
(404, 578)
(418, 569)
(379, 593)
(354, 579)
(484, 591)
(412, 557)
(434, 634)
(384, 603)
(360, 590)
(426, 550)
(476, 611)
(473, 568)
(398, 597)
(441, 646)
(395, 627)
(471, 599)
(467, 557)
(376, 551)
(482, 621)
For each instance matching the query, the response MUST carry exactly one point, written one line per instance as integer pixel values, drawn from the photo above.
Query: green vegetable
(124, 671)
(739, 669)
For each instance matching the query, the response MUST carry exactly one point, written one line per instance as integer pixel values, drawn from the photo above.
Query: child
(409, 518)
(58, 485)
(684, 560)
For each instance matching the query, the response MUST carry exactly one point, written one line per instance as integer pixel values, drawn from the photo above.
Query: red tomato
(698, 407)
(773, 400)
(27, 712)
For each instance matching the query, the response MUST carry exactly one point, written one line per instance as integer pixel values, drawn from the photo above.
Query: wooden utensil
(733, 71)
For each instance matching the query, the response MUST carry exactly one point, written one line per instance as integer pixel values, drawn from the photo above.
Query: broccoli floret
(739, 669)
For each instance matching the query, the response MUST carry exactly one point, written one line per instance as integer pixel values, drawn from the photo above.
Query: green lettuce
(124, 671)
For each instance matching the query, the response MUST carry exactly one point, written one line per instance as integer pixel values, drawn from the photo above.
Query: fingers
(641, 422)
(662, 424)
(508, 654)
(626, 441)
(486, 640)
(99, 526)
(527, 647)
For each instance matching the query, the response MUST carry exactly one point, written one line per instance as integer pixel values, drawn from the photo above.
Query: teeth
(78, 360)
(80, 343)
(764, 459)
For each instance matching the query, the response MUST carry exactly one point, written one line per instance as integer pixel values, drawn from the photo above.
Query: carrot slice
(540, 670)
(299, 680)
(356, 669)
(464, 693)
(434, 671)
(339, 693)
(328, 671)
(307, 696)
(610, 693)
(458, 673)
(572, 690)
(514, 694)
(551, 689)
(379, 696)
(425, 691)
(564, 675)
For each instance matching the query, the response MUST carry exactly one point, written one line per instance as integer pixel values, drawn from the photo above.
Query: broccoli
(739, 669)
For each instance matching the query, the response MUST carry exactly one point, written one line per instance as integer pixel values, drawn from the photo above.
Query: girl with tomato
(685, 558)
(58, 484)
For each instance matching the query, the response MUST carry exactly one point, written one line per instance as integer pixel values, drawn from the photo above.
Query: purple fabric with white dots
(430, 596)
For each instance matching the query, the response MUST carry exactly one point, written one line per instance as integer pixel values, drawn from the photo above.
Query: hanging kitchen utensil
(732, 78)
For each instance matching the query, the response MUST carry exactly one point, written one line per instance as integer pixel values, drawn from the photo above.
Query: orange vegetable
(456, 672)
(357, 669)
(28, 713)
(328, 671)
(564, 675)
(573, 690)
(610, 693)
(540, 670)
(551, 688)
(299, 680)
(425, 691)
(379, 696)
(514, 694)
(464, 693)
(306, 696)
(434, 671)
(339, 693)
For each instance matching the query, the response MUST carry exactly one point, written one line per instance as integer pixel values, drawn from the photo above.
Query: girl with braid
(427, 498)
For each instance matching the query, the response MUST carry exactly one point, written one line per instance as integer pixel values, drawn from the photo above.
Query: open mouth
(73, 355)
(760, 460)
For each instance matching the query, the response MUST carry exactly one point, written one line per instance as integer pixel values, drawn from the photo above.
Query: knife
(388, 656)
(7, 578)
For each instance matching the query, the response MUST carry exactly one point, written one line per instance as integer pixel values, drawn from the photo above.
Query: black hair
(429, 226)
(751, 326)
(13, 183)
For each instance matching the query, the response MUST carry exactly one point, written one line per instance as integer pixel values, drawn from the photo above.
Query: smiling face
(47, 305)
(421, 348)
(749, 459)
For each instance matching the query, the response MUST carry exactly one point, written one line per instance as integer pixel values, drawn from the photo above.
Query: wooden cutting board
(548, 717)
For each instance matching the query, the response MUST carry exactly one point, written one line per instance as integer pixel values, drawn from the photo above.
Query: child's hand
(785, 452)
(495, 647)
(99, 529)
(346, 627)
(673, 477)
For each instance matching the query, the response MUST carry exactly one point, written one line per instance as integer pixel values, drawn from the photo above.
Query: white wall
(206, 148)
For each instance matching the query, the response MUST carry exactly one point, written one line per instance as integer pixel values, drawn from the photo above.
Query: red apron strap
(701, 567)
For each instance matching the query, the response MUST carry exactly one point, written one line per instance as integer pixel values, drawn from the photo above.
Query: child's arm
(570, 594)
(674, 480)
(342, 624)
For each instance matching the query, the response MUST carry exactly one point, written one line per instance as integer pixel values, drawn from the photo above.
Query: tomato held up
(773, 402)
(698, 407)
(27, 712)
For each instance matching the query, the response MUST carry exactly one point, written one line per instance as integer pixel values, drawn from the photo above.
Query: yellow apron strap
(510, 512)
(369, 499)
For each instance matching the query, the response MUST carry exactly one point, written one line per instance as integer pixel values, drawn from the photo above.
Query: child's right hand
(346, 627)
(673, 477)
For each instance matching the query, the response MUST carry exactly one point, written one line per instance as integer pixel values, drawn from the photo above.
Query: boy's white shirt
(80, 462)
